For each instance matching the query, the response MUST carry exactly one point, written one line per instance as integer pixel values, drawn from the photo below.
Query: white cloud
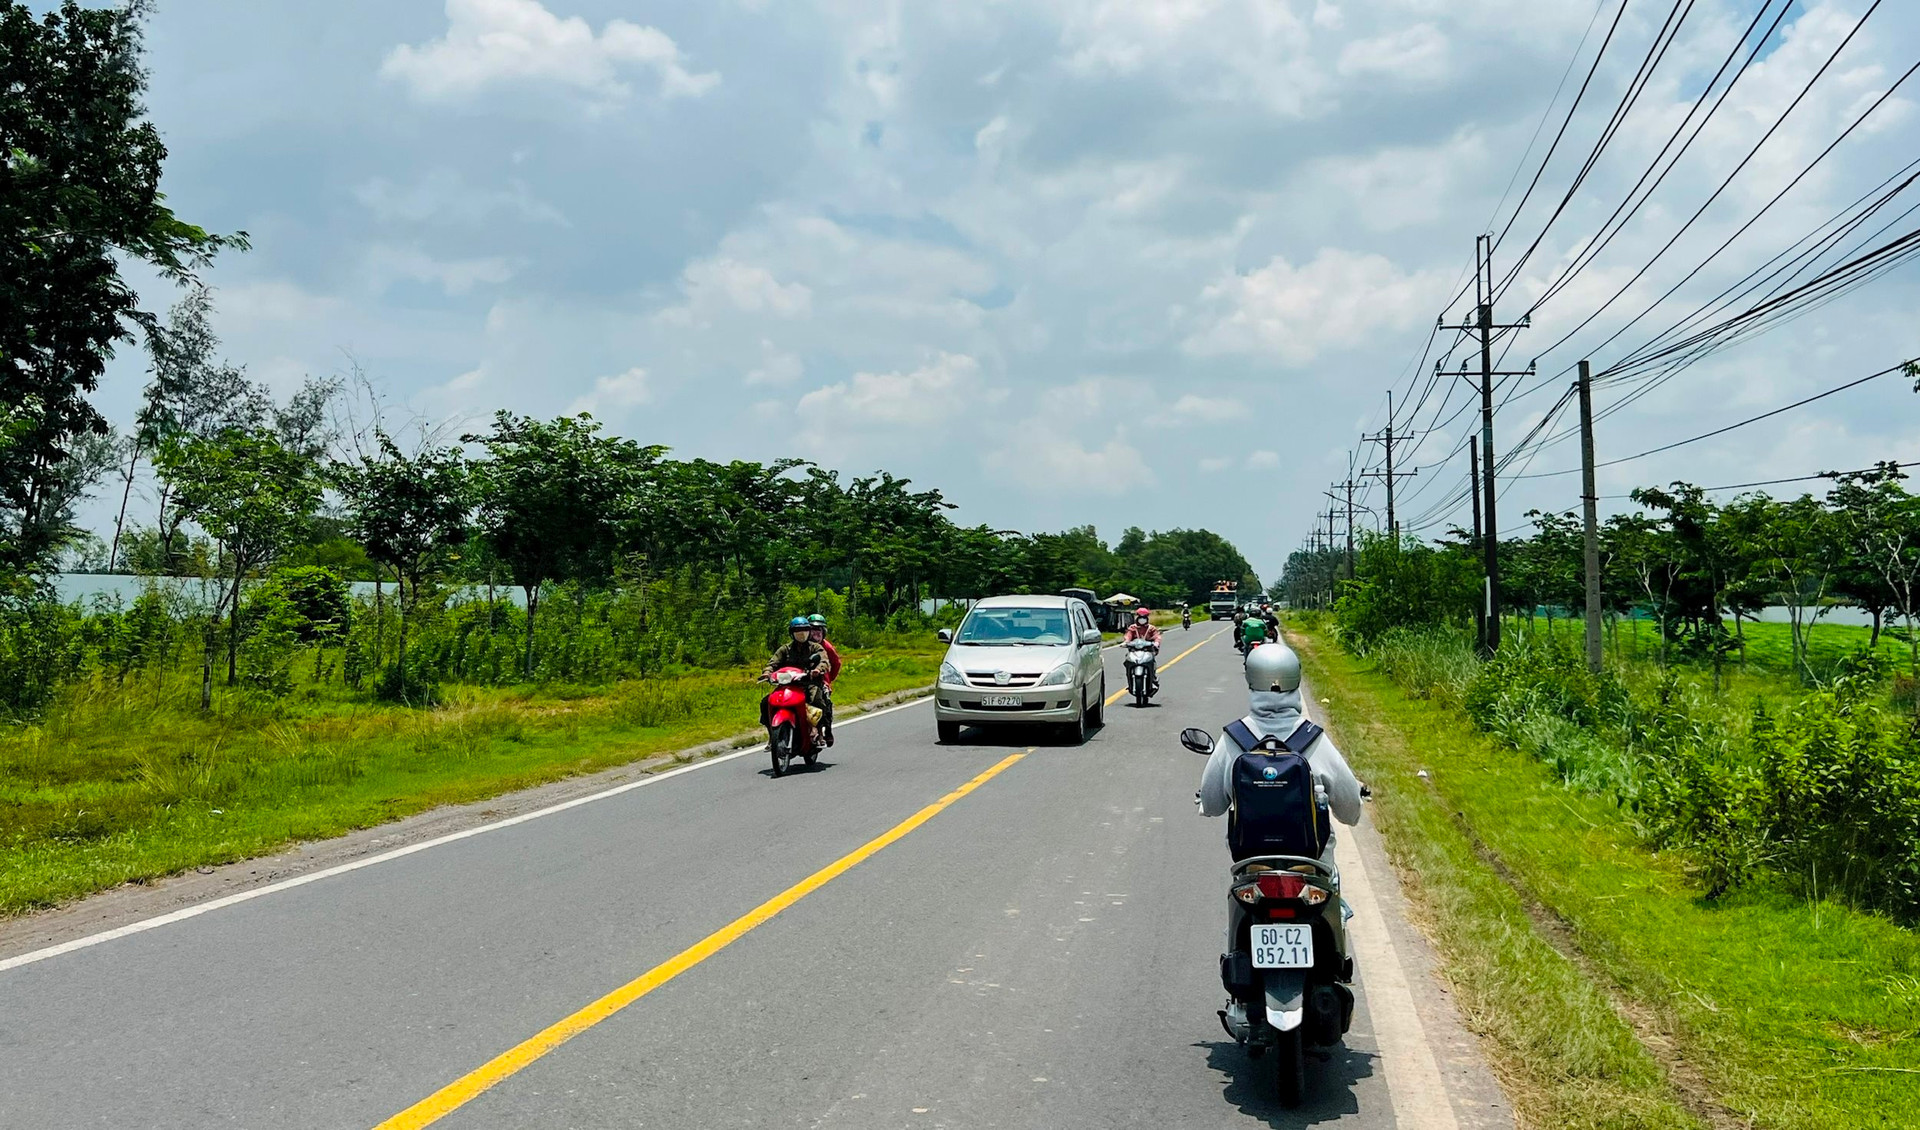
(616, 394)
(1213, 464)
(1204, 409)
(443, 195)
(775, 368)
(388, 265)
(498, 41)
(1062, 464)
(1297, 313)
(937, 392)
(716, 285)
(1262, 461)
(1416, 54)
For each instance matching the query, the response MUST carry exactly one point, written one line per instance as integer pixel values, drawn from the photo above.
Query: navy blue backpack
(1274, 810)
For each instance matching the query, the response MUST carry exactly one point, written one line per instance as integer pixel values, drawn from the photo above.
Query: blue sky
(1117, 262)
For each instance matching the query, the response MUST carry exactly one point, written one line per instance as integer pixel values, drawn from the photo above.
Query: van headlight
(950, 675)
(1058, 677)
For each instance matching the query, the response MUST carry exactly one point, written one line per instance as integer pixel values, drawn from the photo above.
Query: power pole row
(1386, 438)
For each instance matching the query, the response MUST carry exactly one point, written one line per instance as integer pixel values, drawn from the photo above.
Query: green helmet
(798, 622)
(817, 620)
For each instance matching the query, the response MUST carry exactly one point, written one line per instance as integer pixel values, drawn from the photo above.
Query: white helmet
(1273, 667)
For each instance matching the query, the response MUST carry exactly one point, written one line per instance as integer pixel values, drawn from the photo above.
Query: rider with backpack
(1270, 769)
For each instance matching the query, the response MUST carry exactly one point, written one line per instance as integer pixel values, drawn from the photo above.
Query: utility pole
(1348, 487)
(1590, 508)
(1484, 326)
(1480, 605)
(1386, 439)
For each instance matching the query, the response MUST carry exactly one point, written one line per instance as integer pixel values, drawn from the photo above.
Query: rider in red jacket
(819, 623)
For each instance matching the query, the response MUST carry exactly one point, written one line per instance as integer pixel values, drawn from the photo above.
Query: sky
(1108, 262)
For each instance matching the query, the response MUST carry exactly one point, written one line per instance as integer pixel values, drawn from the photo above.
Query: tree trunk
(233, 629)
(400, 596)
(379, 621)
(1874, 642)
(120, 521)
(533, 604)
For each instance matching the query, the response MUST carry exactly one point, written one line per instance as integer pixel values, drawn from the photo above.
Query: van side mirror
(945, 634)
(1197, 740)
(1091, 635)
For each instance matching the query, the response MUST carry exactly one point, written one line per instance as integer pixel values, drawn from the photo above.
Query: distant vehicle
(1225, 600)
(1022, 659)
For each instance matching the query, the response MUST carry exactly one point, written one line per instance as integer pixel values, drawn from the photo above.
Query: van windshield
(1015, 627)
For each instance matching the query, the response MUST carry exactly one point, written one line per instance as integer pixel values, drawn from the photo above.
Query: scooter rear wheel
(1290, 1068)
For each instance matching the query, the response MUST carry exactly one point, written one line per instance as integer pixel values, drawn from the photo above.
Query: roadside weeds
(1760, 1010)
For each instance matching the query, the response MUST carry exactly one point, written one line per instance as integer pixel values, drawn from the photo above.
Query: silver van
(1022, 659)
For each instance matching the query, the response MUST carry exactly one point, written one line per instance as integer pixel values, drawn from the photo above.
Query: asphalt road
(999, 933)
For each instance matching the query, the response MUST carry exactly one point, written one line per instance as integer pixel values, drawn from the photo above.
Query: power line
(1730, 427)
(1777, 482)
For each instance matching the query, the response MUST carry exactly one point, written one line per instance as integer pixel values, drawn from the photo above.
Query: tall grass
(1817, 788)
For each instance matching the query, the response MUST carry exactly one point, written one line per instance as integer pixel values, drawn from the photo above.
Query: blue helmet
(798, 622)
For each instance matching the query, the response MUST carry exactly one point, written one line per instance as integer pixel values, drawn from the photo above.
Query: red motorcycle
(791, 731)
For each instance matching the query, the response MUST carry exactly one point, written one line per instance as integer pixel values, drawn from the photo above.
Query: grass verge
(111, 788)
(1756, 1010)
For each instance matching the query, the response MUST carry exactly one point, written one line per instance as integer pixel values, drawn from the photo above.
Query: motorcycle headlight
(951, 675)
(1058, 677)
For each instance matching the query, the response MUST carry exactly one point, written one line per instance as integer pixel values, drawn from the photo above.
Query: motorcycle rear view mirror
(945, 635)
(1196, 739)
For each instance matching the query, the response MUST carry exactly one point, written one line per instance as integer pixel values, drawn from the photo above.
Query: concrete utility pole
(1590, 513)
(1386, 438)
(1348, 487)
(1479, 606)
(1484, 326)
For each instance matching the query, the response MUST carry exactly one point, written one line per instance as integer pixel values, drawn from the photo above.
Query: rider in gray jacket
(1273, 678)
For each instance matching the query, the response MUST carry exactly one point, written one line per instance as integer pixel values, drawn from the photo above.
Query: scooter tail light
(1280, 884)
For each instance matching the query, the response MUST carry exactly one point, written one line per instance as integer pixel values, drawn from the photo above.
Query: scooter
(1143, 657)
(1186, 619)
(792, 725)
(1290, 973)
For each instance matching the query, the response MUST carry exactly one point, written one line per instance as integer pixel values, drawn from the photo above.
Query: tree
(1881, 527)
(251, 495)
(553, 498)
(1802, 558)
(411, 515)
(79, 195)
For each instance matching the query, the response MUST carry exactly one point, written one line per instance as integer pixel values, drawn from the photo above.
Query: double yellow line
(472, 1085)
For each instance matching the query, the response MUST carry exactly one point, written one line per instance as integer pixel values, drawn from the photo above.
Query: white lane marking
(211, 905)
(1413, 1077)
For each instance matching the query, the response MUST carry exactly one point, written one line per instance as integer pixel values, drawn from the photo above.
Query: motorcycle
(1290, 974)
(1186, 619)
(1143, 657)
(792, 725)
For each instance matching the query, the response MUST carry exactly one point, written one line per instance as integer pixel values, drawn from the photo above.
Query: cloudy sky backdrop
(1117, 262)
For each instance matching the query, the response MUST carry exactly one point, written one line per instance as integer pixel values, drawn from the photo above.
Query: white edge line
(237, 897)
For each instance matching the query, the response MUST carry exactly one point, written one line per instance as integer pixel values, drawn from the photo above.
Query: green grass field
(117, 784)
(1768, 647)
(1798, 1014)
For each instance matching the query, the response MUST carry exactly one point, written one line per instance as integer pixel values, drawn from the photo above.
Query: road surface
(999, 933)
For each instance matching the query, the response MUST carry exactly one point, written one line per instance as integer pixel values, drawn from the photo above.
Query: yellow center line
(468, 1087)
(1122, 693)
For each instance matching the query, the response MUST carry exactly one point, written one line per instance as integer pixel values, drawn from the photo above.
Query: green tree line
(1700, 570)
